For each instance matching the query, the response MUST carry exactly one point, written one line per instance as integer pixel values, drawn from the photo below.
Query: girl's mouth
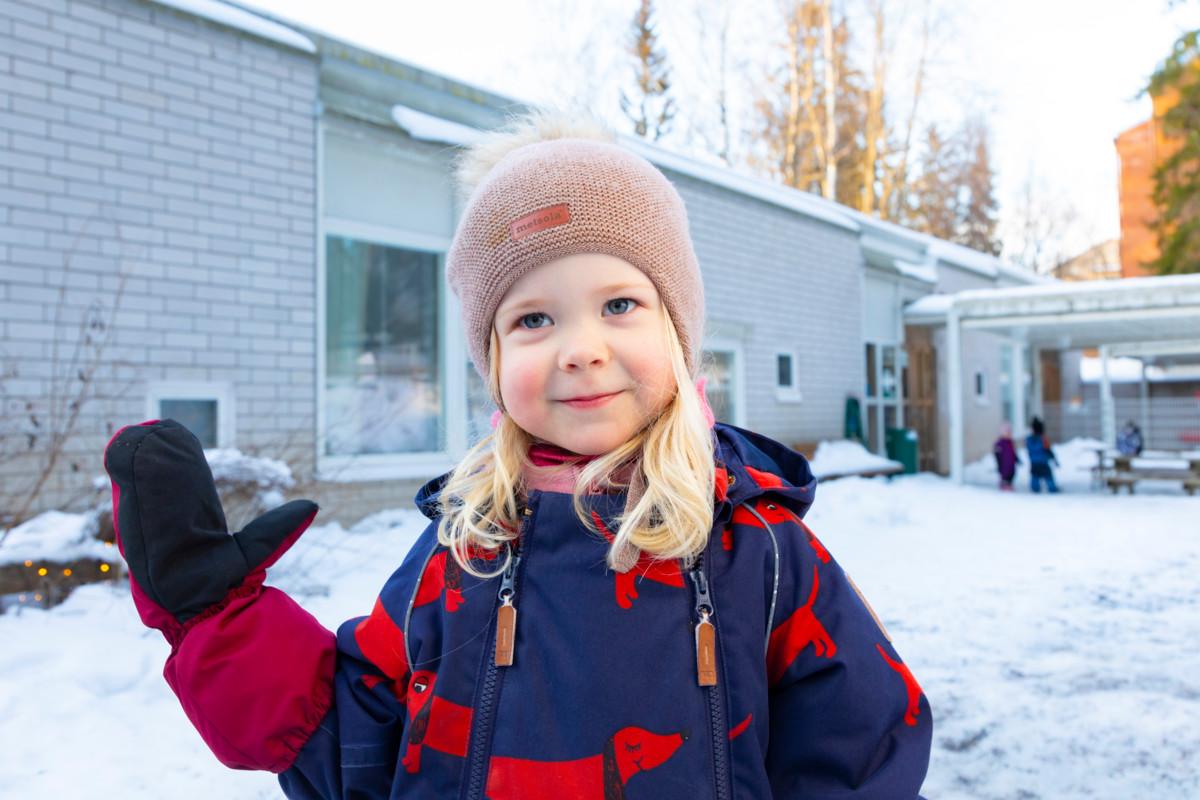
(592, 402)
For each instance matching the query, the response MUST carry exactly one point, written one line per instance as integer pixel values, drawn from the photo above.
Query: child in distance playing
(615, 597)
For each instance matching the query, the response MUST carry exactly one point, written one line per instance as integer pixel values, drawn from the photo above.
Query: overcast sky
(1057, 79)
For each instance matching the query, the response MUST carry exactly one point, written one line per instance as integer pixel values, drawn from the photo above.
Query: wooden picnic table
(1116, 470)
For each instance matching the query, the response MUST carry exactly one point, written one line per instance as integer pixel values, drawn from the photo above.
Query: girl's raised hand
(172, 532)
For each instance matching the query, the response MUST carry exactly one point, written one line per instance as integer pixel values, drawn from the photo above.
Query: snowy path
(1055, 637)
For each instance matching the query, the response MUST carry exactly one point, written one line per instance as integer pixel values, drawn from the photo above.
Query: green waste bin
(902, 447)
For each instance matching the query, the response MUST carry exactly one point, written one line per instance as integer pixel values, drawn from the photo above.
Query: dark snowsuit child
(1037, 446)
(559, 630)
(1129, 440)
(1006, 457)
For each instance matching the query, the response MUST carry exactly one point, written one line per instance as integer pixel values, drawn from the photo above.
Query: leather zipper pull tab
(706, 652)
(506, 633)
(706, 632)
(506, 617)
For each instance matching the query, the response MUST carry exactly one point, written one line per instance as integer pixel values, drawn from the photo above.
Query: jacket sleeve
(355, 750)
(848, 720)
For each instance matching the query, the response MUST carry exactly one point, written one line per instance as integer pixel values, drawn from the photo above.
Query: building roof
(1164, 310)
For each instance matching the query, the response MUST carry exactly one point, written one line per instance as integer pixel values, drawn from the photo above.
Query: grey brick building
(208, 214)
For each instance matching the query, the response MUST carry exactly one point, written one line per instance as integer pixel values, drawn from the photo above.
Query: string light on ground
(66, 573)
(29, 563)
(104, 567)
(42, 571)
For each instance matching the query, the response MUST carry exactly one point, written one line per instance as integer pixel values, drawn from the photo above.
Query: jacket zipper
(503, 637)
(706, 675)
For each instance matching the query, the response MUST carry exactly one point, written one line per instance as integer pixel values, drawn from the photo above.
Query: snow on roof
(430, 128)
(1120, 370)
(719, 175)
(1164, 288)
(240, 19)
(923, 272)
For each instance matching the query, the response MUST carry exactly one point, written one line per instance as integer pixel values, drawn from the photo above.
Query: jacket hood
(748, 465)
(756, 464)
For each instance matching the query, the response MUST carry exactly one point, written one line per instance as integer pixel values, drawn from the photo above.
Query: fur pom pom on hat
(550, 187)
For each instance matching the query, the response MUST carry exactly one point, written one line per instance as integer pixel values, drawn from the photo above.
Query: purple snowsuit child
(1006, 457)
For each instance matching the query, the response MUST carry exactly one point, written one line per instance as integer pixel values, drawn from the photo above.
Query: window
(787, 388)
(203, 408)
(479, 407)
(870, 386)
(980, 386)
(887, 373)
(721, 362)
(719, 387)
(383, 383)
(783, 372)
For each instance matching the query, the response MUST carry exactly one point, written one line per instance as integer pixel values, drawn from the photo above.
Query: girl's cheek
(522, 379)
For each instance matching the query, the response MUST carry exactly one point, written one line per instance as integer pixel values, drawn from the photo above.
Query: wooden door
(920, 394)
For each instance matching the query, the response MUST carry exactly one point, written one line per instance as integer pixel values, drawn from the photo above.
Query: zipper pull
(706, 632)
(506, 615)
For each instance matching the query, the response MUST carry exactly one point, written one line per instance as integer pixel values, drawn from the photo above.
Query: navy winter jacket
(804, 696)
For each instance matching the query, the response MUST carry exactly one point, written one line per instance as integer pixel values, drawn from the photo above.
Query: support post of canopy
(1017, 382)
(955, 398)
(1108, 418)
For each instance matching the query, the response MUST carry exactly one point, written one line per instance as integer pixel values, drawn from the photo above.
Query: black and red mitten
(252, 669)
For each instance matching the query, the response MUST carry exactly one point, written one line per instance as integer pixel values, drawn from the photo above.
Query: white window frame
(787, 394)
(981, 398)
(222, 393)
(396, 466)
(722, 344)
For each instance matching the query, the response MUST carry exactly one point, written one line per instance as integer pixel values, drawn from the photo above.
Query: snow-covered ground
(1055, 637)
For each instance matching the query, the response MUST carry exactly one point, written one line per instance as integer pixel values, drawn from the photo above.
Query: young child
(1040, 457)
(1006, 457)
(614, 597)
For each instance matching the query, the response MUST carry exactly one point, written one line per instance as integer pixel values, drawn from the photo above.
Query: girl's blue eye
(536, 314)
(521, 321)
(625, 300)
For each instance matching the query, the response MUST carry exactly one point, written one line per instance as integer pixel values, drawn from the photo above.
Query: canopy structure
(1139, 317)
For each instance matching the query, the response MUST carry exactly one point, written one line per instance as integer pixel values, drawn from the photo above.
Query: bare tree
(652, 109)
(714, 34)
(1040, 231)
(896, 183)
(37, 433)
(830, 91)
(874, 130)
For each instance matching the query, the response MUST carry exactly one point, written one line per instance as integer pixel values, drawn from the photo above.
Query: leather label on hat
(540, 220)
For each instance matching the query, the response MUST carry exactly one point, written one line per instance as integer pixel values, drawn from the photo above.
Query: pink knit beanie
(559, 197)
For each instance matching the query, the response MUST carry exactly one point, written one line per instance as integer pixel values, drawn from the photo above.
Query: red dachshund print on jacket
(772, 512)
(600, 777)
(433, 722)
(910, 686)
(665, 572)
(443, 574)
(800, 630)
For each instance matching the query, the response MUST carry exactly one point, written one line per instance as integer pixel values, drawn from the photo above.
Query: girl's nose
(584, 347)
